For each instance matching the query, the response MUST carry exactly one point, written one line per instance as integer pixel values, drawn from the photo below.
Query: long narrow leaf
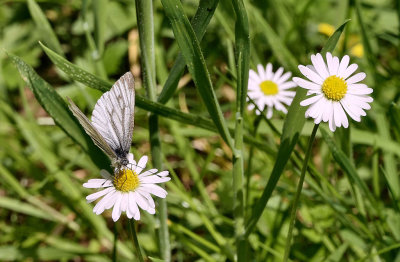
(190, 48)
(200, 21)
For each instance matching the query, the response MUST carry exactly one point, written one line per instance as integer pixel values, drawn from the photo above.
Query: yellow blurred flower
(356, 48)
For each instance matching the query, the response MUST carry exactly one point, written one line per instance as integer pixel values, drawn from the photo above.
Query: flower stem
(135, 241)
(114, 254)
(298, 192)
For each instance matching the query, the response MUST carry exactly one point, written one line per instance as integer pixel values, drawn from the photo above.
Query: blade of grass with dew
(145, 21)
(46, 32)
(58, 110)
(92, 81)
(242, 49)
(291, 131)
(200, 21)
(190, 48)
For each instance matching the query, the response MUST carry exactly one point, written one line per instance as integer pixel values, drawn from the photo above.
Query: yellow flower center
(126, 180)
(334, 88)
(269, 88)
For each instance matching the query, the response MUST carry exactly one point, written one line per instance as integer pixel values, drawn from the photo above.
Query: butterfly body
(112, 122)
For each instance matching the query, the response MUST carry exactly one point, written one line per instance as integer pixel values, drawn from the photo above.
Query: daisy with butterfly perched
(111, 130)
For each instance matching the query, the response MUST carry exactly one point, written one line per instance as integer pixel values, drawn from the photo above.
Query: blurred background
(43, 212)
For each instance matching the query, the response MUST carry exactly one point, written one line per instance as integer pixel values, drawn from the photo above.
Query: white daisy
(269, 89)
(128, 189)
(334, 91)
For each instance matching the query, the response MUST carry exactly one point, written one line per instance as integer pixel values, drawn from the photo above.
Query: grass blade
(200, 21)
(47, 34)
(194, 58)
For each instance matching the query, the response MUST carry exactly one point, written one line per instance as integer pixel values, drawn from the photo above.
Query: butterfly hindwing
(91, 130)
(113, 115)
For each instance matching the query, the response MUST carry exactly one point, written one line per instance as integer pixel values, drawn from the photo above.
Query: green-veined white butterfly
(111, 127)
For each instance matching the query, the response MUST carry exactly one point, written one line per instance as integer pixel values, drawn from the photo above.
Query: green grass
(234, 174)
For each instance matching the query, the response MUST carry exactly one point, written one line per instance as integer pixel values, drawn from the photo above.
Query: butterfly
(112, 122)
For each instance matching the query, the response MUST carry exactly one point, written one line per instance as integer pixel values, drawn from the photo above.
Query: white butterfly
(111, 127)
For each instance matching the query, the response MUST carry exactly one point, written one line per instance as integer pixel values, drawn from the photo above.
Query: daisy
(128, 189)
(269, 89)
(333, 91)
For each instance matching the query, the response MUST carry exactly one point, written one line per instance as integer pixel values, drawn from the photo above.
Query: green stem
(114, 254)
(135, 241)
(298, 192)
(145, 21)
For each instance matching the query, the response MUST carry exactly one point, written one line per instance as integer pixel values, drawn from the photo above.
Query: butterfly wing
(113, 115)
(91, 130)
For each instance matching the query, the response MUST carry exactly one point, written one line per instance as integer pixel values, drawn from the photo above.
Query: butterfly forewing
(91, 130)
(113, 115)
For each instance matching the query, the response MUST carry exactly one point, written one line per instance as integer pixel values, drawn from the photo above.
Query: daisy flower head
(334, 91)
(269, 89)
(128, 189)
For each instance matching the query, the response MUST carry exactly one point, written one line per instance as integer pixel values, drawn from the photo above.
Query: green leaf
(190, 48)
(200, 21)
(100, 23)
(58, 110)
(44, 27)
(291, 131)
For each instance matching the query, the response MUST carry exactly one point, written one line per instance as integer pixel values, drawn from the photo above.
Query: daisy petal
(343, 65)
(154, 179)
(261, 71)
(92, 197)
(356, 78)
(359, 89)
(319, 65)
(284, 78)
(278, 74)
(307, 72)
(133, 208)
(268, 74)
(310, 100)
(116, 213)
(148, 172)
(350, 70)
(253, 76)
(141, 164)
(154, 189)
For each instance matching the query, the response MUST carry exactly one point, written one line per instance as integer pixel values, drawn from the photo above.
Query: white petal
(97, 183)
(358, 101)
(306, 84)
(287, 93)
(94, 196)
(253, 76)
(279, 106)
(285, 77)
(269, 73)
(112, 199)
(350, 70)
(319, 65)
(261, 71)
(250, 107)
(154, 189)
(130, 158)
(147, 196)
(100, 206)
(327, 110)
(329, 62)
(343, 65)
(332, 125)
(311, 100)
(141, 201)
(124, 202)
(348, 110)
(287, 85)
(364, 98)
(154, 179)
(356, 78)
(163, 173)
(287, 100)
(148, 172)
(359, 89)
(141, 164)
(133, 206)
(269, 112)
(116, 213)
(277, 74)
(340, 114)
(307, 72)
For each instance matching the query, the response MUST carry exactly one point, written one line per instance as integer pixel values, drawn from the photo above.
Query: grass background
(349, 209)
